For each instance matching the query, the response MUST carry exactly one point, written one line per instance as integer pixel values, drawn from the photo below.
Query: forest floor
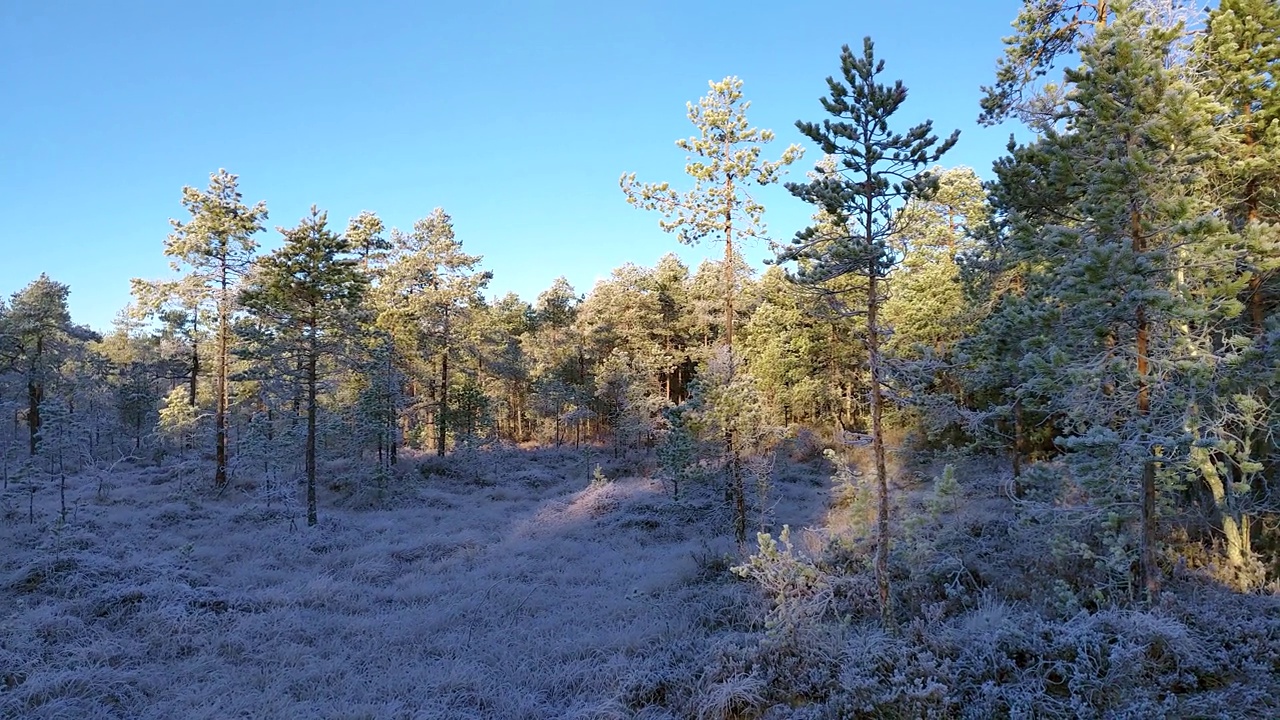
(509, 585)
(493, 586)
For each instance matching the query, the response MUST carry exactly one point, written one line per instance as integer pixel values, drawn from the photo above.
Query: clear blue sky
(515, 117)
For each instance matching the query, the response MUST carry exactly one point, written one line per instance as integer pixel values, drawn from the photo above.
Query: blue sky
(517, 118)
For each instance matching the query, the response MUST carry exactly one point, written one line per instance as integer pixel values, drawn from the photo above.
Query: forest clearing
(967, 444)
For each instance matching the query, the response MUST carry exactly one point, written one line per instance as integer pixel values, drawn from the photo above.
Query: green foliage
(946, 492)
(305, 296)
(216, 245)
(729, 150)
(1045, 32)
(874, 169)
(430, 302)
(859, 194)
(470, 413)
(800, 593)
(178, 419)
(678, 450)
(718, 205)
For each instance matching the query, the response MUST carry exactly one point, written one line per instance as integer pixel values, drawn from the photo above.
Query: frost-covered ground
(512, 590)
(507, 585)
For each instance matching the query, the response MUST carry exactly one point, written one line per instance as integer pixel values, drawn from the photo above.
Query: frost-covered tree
(628, 398)
(431, 295)
(1239, 58)
(727, 151)
(927, 312)
(807, 366)
(1045, 32)
(877, 170)
(36, 333)
(1117, 289)
(724, 409)
(216, 246)
(310, 289)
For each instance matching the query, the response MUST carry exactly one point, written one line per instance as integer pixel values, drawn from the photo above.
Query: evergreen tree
(507, 324)
(432, 294)
(719, 205)
(1045, 32)
(556, 350)
(803, 364)
(878, 169)
(1237, 59)
(378, 378)
(1119, 273)
(310, 288)
(216, 244)
(927, 311)
(36, 333)
(1239, 56)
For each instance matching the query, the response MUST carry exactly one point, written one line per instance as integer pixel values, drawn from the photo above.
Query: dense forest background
(1096, 328)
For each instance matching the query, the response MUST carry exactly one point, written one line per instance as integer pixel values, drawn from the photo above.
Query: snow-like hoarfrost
(517, 590)
(525, 584)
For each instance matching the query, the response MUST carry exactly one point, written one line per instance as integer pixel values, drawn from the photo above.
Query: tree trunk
(195, 371)
(391, 402)
(35, 396)
(1234, 523)
(1019, 443)
(220, 415)
(312, 353)
(728, 262)
(442, 428)
(877, 449)
(1147, 516)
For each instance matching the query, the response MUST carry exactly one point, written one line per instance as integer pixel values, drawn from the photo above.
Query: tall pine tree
(217, 245)
(877, 170)
(310, 290)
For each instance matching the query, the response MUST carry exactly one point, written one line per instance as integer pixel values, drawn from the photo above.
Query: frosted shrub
(759, 472)
(845, 481)
(946, 492)
(598, 478)
(800, 593)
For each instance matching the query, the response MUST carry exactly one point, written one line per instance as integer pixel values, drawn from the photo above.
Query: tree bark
(1019, 432)
(195, 372)
(877, 449)
(1147, 516)
(220, 415)
(312, 353)
(442, 428)
(35, 396)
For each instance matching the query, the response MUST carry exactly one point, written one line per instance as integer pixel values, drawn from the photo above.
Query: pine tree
(927, 310)
(508, 324)
(555, 347)
(1237, 60)
(431, 294)
(719, 205)
(311, 288)
(1239, 56)
(379, 376)
(35, 334)
(878, 169)
(1112, 270)
(216, 244)
(801, 362)
(1045, 32)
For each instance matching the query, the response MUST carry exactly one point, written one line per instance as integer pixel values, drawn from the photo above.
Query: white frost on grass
(531, 595)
